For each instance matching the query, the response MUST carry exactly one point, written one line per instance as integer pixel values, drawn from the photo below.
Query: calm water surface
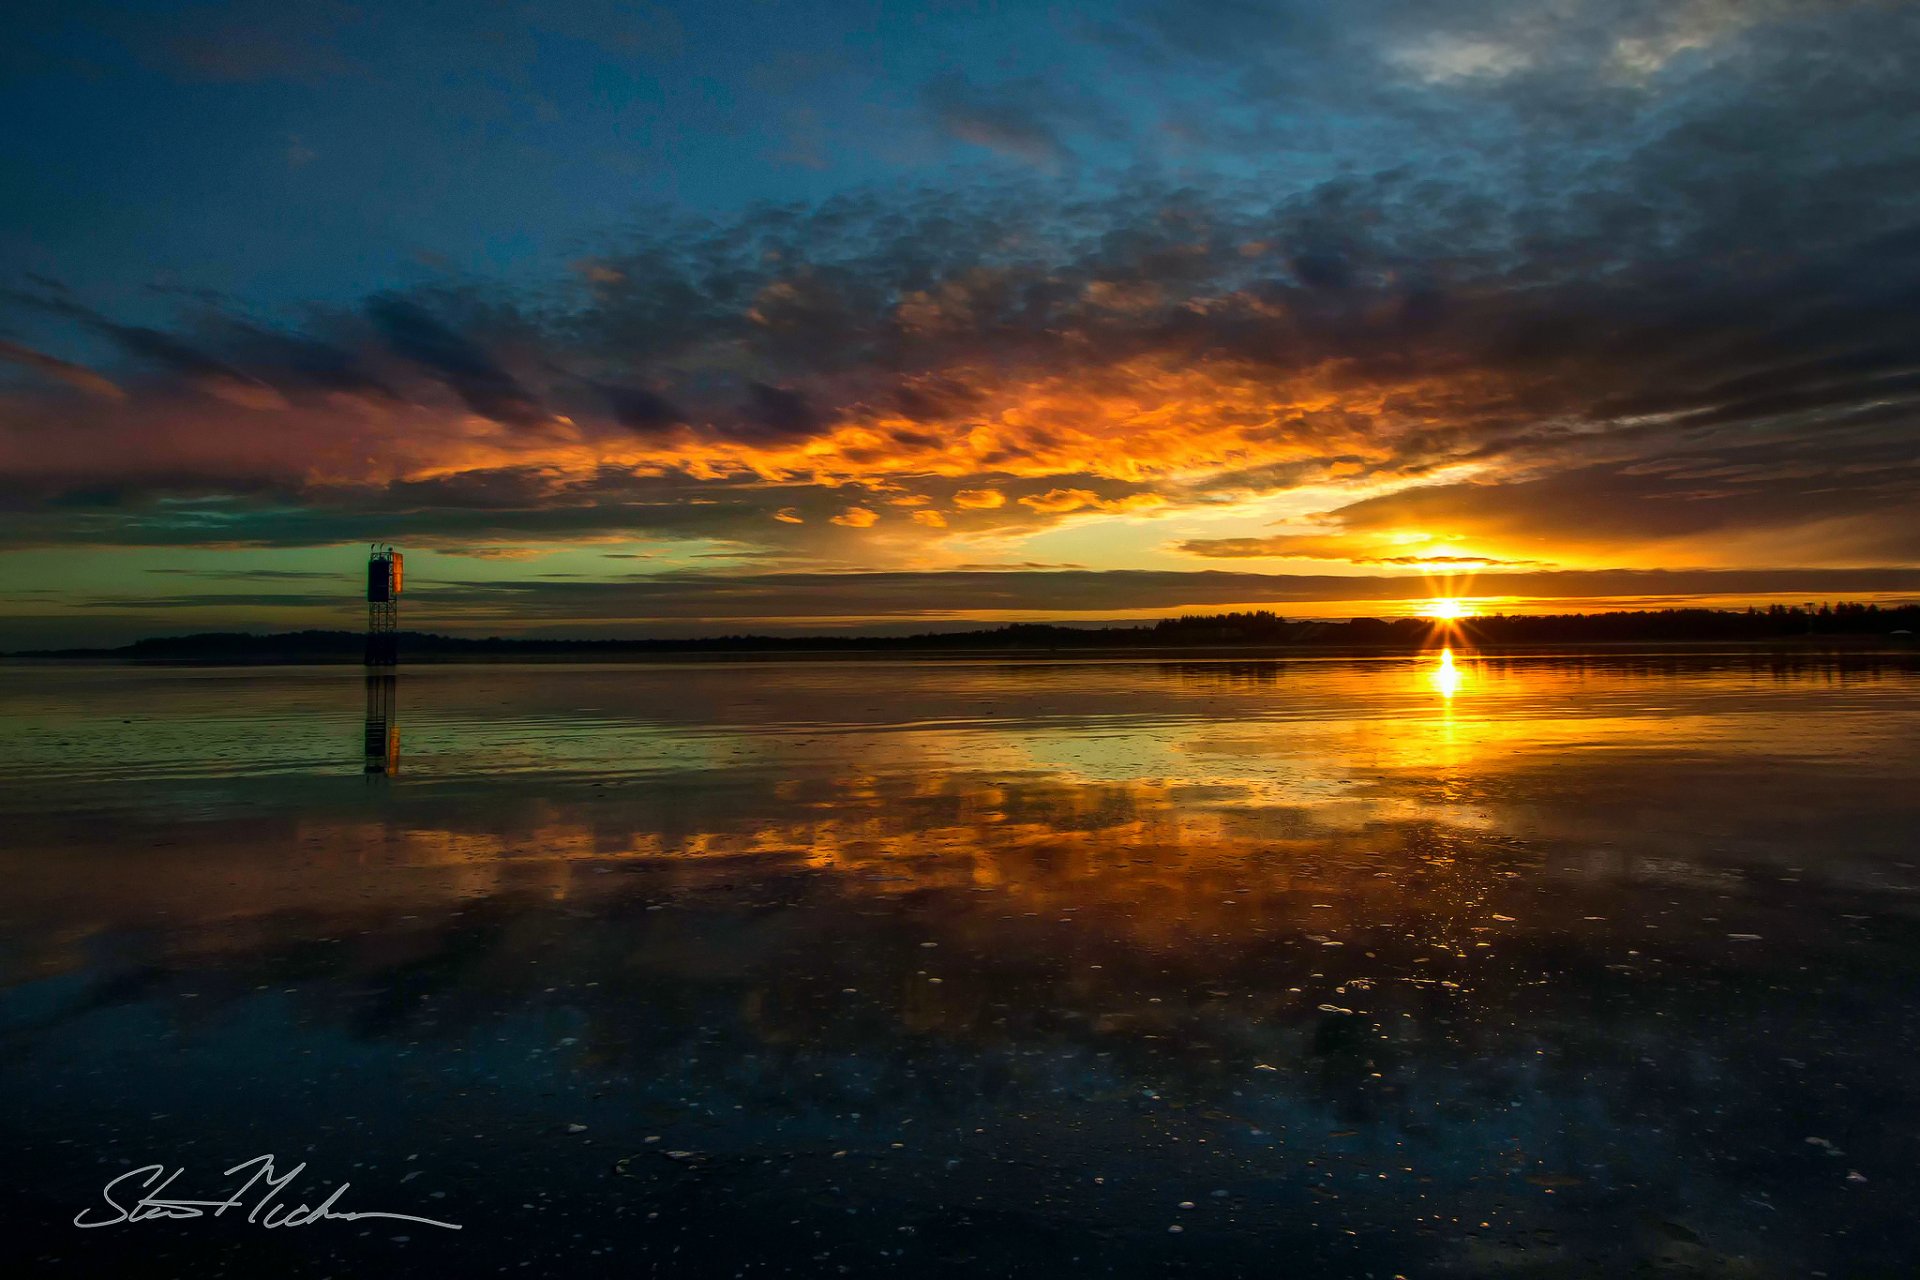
(1539, 967)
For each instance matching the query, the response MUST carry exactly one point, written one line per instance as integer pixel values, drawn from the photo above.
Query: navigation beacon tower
(383, 607)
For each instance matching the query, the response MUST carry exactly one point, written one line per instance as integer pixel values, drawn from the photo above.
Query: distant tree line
(1257, 629)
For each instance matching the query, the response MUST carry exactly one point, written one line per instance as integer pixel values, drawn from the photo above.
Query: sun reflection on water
(1445, 676)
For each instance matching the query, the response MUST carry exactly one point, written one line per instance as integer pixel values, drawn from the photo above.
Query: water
(1598, 966)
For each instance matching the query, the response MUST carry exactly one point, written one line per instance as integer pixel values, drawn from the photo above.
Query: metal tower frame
(383, 607)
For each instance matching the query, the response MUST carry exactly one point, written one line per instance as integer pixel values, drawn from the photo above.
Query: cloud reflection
(1281, 912)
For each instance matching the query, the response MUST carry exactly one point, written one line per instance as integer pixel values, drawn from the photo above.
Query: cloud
(1350, 549)
(302, 365)
(165, 351)
(1008, 119)
(488, 389)
(921, 595)
(775, 413)
(694, 602)
(1814, 501)
(641, 409)
(1663, 315)
(1061, 501)
(73, 375)
(215, 378)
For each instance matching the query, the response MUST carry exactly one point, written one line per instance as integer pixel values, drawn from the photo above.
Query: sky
(714, 317)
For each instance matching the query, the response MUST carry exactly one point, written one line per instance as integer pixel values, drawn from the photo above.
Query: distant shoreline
(1010, 645)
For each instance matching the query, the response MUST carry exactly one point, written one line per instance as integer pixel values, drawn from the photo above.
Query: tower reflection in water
(383, 725)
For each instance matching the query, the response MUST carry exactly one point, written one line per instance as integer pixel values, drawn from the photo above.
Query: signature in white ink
(263, 1211)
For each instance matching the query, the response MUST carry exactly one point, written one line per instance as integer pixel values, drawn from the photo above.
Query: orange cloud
(856, 517)
(1412, 549)
(62, 370)
(1061, 501)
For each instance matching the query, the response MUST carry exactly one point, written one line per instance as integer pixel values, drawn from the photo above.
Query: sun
(1447, 610)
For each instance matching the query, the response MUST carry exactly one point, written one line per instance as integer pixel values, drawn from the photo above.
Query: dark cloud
(639, 408)
(1322, 269)
(1009, 119)
(777, 413)
(486, 387)
(306, 362)
(215, 377)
